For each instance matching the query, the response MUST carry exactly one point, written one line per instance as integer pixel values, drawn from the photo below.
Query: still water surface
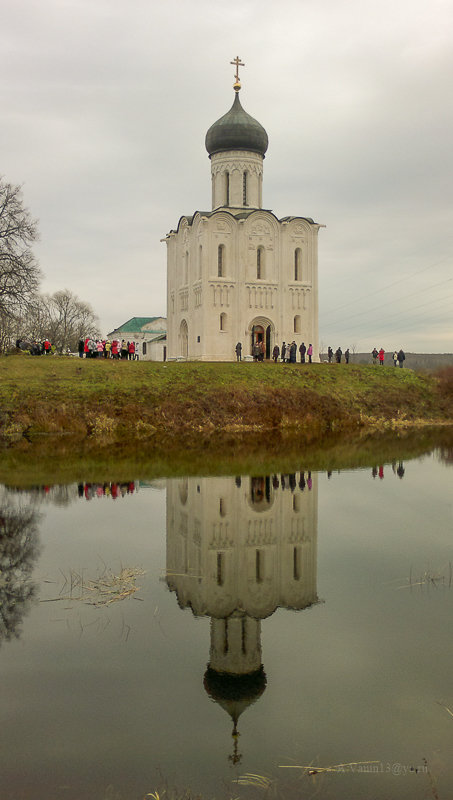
(298, 620)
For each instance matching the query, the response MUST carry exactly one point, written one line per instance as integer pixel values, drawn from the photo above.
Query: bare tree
(65, 319)
(19, 272)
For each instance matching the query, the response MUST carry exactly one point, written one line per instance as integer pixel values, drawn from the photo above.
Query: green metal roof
(135, 324)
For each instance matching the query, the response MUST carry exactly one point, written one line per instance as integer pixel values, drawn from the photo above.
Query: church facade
(236, 273)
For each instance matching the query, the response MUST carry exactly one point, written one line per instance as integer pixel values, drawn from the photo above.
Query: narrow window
(259, 566)
(225, 637)
(296, 565)
(220, 569)
(221, 261)
(297, 265)
(244, 635)
(200, 260)
(223, 322)
(186, 268)
(259, 263)
(244, 189)
(227, 188)
(297, 323)
(144, 348)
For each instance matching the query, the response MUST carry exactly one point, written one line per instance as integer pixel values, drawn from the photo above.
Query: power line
(376, 308)
(390, 285)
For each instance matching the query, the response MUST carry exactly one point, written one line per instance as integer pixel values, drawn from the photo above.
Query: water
(279, 623)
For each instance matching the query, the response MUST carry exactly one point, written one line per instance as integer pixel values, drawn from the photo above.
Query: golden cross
(238, 63)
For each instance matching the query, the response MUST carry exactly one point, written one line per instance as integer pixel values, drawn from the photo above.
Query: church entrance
(261, 333)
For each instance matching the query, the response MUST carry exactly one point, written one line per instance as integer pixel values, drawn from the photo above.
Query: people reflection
(237, 551)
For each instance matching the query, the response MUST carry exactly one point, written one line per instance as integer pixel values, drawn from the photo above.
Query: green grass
(68, 419)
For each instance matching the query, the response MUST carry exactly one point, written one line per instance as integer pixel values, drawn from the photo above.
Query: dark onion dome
(234, 692)
(236, 130)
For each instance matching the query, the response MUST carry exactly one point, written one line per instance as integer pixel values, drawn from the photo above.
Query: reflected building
(238, 549)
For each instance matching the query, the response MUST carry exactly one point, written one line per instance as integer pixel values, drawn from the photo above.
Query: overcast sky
(105, 107)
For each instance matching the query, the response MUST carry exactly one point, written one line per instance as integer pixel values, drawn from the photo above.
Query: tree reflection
(18, 552)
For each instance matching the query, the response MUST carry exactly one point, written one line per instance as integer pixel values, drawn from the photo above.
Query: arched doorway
(262, 330)
(183, 339)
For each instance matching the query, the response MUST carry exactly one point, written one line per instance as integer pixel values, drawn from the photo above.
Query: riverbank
(105, 401)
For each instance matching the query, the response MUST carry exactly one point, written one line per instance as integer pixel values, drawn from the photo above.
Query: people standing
(401, 358)
(275, 353)
(374, 353)
(381, 356)
(283, 352)
(338, 354)
(292, 352)
(302, 351)
(81, 347)
(346, 356)
(329, 354)
(47, 347)
(262, 350)
(238, 350)
(310, 353)
(395, 358)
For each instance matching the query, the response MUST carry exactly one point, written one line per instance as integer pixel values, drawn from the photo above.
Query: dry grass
(104, 589)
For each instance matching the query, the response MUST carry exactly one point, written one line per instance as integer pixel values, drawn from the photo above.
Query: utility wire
(390, 285)
(376, 308)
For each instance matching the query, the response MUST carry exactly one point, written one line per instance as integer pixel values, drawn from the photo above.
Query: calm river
(230, 636)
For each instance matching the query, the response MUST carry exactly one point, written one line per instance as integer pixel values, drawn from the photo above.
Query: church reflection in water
(238, 549)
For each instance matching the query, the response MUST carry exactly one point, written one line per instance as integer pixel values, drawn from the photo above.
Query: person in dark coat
(81, 347)
(275, 353)
(292, 353)
(302, 351)
(401, 358)
(346, 356)
(283, 352)
(238, 349)
(329, 355)
(338, 354)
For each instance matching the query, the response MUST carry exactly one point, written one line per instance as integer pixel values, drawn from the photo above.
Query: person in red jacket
(381, 356)
(47, 347)
(131, 351)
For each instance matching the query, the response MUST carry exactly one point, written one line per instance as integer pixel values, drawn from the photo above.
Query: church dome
(236, 130)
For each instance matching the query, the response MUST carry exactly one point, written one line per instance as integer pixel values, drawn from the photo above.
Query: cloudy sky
(106, 103)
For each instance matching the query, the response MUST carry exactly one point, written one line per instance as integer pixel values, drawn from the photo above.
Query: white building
(149, 335)
(237, 273)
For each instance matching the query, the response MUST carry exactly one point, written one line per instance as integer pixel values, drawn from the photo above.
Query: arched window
(244, 189)
(298, 264)
(259, 566)
(223, 322)
(227, 188)
(221, 261)
(260, 263)
(297, 323)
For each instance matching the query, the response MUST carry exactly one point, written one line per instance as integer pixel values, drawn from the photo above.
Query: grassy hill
(120, 401)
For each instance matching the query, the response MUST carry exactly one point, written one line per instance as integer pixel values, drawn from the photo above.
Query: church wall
(250, 546)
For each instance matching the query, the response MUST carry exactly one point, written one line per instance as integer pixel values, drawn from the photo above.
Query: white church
(237, 273)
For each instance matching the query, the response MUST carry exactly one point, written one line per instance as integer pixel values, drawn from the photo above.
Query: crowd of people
(104, 348)
(398, 357)
(287, 354)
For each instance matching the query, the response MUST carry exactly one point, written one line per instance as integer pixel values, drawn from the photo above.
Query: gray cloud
(105, 109)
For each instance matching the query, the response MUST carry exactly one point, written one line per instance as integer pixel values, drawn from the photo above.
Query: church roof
(236, 130)
(136, 324)
(238, 213)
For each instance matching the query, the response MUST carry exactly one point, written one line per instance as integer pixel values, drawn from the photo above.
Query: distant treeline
(413, 360)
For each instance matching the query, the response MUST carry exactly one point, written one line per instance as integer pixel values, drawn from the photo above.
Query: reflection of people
(400, 471)
(381, 471)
